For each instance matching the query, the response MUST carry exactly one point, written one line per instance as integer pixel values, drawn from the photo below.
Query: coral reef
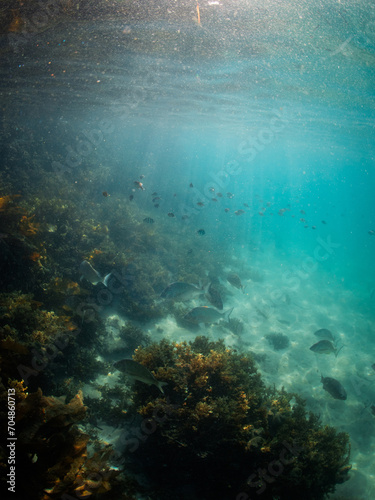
(218, 425)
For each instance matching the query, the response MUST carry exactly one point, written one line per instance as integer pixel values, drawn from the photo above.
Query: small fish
(212, 189)
(200, 204)
(139, 372)
(157, 198)
(148, 220)
(239, 212)
(324, 333)
(261, 214)
(333, 387)
(214, 199)
(204, 314)
(91, 275)
(191, 185)
(373, 366)
(131, 197)
(235, 280)
(156, 205)
(302, 220)
(141, 176)
(246, 205)
(219, 195)
(313, 227)
(302, 212)
(226, 210)
(325, 347)
(372, 232)
(171, 214)
(324, 222)
(201, 232)
(305, 227)
(105, 193)
(184, 217)
(214, 297)
(139, 185)
(154, 193)
(230, 195)
(182, 291)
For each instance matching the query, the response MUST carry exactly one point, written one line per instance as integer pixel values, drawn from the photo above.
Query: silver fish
(204, 314)
(90, 274)
(139, 372)
(235, 280)
(325, 347)
(323, 333)
(183, 291)
(334, 388)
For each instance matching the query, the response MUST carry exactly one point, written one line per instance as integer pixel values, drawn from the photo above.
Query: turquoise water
(271, 102)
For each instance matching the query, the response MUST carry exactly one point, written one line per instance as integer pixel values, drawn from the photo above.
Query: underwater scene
(187, 248)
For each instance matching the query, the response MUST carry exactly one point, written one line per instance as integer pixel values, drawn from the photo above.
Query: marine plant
(278, 341)
(221, 425)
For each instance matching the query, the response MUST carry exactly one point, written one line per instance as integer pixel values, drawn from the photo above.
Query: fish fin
(206, 288)
(106, 279)
(337, 352)
(160, 385)
(228, 313)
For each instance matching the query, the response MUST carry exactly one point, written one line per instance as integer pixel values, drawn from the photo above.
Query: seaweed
(222, 426)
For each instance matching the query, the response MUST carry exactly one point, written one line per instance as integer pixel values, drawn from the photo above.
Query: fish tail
(228, 313)
(160, 385)
(106, 279)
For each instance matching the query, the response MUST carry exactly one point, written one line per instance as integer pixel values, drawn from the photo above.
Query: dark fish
(200, 204)
(201, 232)
(191, 185)
(184, 217)
(372, 232)
(334, 388)
(138, 372)
(190, 251)
(131, 197)
(324, 347)
(182, 291)
(305, 227)
(302, 212)
(204, 314)
(148, 220)
(105, 193)
(214, 199)
(219, 195)
(154, 193)
(246, 205)
(324, 333)
(214, 297)
(226, 210)
(324, 222)
(157, 198)
(239, 212)
(235, 280)
(212, 190)
(156, 205)
(171, 214)
(141, 176)
(373, 366)
(313, 227)
(230, 195)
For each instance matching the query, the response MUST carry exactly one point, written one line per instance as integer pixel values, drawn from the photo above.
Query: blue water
(272, 103)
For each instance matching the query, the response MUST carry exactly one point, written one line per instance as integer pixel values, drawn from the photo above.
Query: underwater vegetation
(221, 426)
(278, 341)
(52, 452)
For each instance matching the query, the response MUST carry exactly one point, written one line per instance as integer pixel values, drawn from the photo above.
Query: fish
(171, 214)
(191, 185)
(239, 212)
(154, 193)
(201, 232)
(183, 291)
(302, 212)
(131, 197)
(324, 222)
(205, 314)
(372, 232)
(373, 366)
(148, 220)
(156, 205)
(139, 185)
(323, 333)
(214, 297)
(141, 176)
(157, 198)
(139, 372)
(105, 193)
(313, 227)
(200, 204)
(90, 274)
(230, 195)
(235, 280)
(226, 210)
(219, 195)
(246, 205)
(325, 347)
(212, 189)
(214, 199)
(333, 387)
